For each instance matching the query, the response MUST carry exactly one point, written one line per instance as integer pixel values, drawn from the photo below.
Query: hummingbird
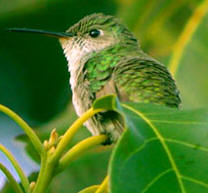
(104, 57)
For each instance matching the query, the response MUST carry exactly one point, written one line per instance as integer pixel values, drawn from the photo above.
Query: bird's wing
(145, 80)
(100, 79)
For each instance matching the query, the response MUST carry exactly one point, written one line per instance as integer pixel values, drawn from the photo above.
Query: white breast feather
(74, 56)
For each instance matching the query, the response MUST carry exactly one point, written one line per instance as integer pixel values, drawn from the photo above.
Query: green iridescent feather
(139, 77)
(114, 63)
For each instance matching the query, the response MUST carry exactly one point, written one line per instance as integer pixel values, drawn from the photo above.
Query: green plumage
(139, 77)
(113, 62)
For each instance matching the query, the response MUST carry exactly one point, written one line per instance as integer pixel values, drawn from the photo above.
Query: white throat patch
(77, 54)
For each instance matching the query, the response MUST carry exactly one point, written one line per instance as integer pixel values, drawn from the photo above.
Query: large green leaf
(164, 150)
(108, 102)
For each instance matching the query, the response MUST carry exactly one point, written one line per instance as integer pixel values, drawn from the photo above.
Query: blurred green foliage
(34, 80)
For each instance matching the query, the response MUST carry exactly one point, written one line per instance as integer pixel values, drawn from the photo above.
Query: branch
(71, 132)
(104, 186)
(27, 129)
(17, 167)
(11, 179)
(79, 149)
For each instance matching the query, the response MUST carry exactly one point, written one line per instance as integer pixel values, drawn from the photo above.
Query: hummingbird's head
(92, 34)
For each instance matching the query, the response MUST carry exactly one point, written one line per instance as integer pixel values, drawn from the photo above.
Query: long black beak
(42, 32)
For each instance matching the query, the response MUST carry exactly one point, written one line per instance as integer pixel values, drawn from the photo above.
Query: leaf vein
(155, 179)
(163, 143)
(195, 181)
(141, 147)
(194, 146)
(179, 122)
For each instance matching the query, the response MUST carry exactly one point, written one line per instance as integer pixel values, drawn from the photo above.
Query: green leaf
(164, 150)
(108, 102)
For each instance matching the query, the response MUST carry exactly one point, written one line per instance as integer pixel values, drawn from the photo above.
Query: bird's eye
(94, 33)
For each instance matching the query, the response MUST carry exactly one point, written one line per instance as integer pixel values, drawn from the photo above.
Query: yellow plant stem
(71, 132)
(23, 177)
(45, 175)
(104, 186)
(27, 129)
(11, 179)
(49, 160)
(186, 35)
(79, 149)
(89, 189)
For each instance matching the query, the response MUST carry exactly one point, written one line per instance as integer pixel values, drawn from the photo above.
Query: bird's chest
(80, 99)
(76, 59)
(89, 77)
(80, 91)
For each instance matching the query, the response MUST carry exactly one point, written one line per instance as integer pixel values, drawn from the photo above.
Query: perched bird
(104, 57)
